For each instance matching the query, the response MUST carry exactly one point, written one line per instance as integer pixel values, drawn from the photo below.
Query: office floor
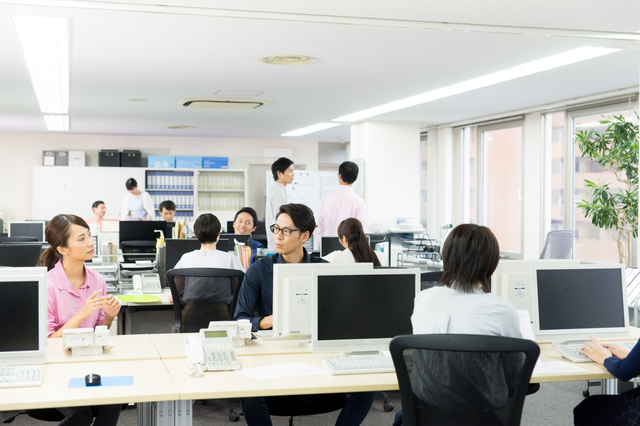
(552, 404)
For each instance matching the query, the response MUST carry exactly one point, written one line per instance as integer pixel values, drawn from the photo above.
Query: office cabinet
(175, 185)
(221, 192)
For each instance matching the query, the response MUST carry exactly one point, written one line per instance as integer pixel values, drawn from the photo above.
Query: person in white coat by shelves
(136, 205)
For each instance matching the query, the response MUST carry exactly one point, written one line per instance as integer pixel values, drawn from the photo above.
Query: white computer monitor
(23, 315)
(361, 311)
(32, 228)
(512, 279)
(573, 303)
(292, 297)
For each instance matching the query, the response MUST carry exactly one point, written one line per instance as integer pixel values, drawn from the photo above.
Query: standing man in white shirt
(342, 203)
(282, 170)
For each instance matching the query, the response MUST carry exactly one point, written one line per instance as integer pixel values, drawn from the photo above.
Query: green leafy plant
(615, 150)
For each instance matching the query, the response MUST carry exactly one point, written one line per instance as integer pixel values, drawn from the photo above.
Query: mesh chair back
(201, 308)
(558, 245)
(463, 379)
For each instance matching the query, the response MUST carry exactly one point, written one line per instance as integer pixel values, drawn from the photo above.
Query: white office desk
(126, 348)
(151, 382)
(159, 321)
(231, 384)
(172, 346)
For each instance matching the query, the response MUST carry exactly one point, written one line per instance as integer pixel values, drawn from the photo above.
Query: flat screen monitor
(33, 228)
(142, 230)
(20, 254)
(231, 238)
(330, 244)
(175, 248)
(361, 311)
(376, 238)
(292, 299)
(260, 228)
(575, 302)
(512, 279)
(23, 315)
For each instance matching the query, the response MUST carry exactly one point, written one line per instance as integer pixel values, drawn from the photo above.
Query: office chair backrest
(463, 379)
(20, 254)
(558, 245)
(203, 296)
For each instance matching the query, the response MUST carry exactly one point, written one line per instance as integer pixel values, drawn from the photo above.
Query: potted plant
(616, 211)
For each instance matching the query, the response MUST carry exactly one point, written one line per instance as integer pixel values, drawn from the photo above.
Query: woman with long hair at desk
(357, 248)
(76, 298)
(623, 409)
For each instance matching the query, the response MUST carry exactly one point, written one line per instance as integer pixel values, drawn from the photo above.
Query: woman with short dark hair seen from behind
(465, 305)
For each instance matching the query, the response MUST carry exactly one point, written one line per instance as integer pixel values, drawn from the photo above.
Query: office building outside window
(501, 198)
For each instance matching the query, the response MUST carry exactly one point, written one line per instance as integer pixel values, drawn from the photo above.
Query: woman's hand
(617, 350)
(595, 351)
(92, 304)
(111, 307)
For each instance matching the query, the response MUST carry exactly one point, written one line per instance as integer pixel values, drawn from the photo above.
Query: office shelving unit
(221, 192)
(176, 185)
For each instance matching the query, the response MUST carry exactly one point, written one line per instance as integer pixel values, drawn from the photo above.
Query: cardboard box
(62, 158)
(76, 159)
(48, 158)
(215, 162)
(109, 158)
(188, 162)
(161, 162)
(130, 158)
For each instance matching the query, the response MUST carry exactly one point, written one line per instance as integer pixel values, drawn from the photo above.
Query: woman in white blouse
(356, 244)
(136, 205)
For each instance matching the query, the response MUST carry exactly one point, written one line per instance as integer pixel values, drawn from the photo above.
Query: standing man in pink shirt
(342, 203)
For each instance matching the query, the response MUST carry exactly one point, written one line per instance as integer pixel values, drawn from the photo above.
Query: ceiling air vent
(222, 103)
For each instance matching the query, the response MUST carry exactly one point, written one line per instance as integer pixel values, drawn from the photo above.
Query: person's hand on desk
(617, 350)
(595, 351)
(266, 322)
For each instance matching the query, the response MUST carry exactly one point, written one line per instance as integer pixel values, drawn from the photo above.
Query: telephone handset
(212, 350)
(147, 283)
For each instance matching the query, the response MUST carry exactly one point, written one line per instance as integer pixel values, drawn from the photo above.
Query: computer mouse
(92, 379)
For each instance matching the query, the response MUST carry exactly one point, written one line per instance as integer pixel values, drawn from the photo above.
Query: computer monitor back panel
(23, 315)
(20, 255)
(231, 238)
(142, 230)
(512, 280)
(361, 311)
(33, 228)
(331, 244)
(573, 303)
(292, 299)
(175, 248)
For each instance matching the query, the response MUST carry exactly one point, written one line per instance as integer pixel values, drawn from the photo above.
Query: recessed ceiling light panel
(136, 100)
(311, 129)
(181, 127)
(288, 59)
(57, 122)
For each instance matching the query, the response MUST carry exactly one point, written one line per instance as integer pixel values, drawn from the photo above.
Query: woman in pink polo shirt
(76, 298)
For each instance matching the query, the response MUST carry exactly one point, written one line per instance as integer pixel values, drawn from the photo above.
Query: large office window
(591, 243)
(555, 142)
(501, 187)
(469, 175)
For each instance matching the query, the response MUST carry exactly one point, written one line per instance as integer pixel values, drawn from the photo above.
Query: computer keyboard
(359, 364)
(19, 376)
(570, 351)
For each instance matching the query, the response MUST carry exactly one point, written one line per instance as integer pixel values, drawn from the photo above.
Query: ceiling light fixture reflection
(311, 129)
(544, 64)
(45, 43)
(57, 122)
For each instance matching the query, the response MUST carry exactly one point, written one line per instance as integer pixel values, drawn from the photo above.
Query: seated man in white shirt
(205, 301)
(354, 240)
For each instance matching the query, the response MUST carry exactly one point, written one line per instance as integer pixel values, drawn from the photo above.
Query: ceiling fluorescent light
(311, 129)
(57, 122)
(45, 43)
(544, 64)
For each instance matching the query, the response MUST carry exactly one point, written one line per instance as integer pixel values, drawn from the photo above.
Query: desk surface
(126, 348)
(164, 298)
(151, 381)
(231, 384)
(171, 345)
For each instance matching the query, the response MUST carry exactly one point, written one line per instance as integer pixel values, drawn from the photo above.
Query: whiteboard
(309, 186)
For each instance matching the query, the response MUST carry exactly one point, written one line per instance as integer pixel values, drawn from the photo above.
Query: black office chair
(44, 414)
(201, 308)
(463, 379)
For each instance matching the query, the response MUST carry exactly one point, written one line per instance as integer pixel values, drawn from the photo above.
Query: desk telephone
(147, 283)
(213, 350)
